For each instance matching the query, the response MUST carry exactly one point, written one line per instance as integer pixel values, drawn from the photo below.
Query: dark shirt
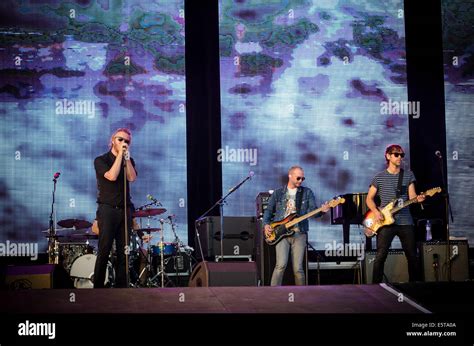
(110, 192)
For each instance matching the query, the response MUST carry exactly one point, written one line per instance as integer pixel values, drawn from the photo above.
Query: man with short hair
(110, 169)
(292, 198)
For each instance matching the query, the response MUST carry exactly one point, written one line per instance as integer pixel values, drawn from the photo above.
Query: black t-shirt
(110, 192)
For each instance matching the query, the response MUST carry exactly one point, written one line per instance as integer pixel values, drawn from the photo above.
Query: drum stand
(161, 272)
(179, 254)
(150, 282)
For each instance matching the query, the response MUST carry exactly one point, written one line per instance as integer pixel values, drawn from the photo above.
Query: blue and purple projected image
(458, 16)
(320, 84)
(70, 74)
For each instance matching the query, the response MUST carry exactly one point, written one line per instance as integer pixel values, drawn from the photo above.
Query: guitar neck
(427, 193)
(404, 204)
(301, 218)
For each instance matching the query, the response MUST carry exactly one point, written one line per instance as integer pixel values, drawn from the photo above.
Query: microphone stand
(145, 206)
(53, 255)
(220, 202)
(448, 212)
(127, 250)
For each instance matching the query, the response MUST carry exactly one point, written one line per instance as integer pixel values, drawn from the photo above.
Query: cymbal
(85, 235)
(147, 230)
(74, 223)
(61, 230)
(149, 212)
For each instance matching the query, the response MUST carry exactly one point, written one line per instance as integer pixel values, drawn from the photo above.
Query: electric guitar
(281, 229)
(372, 225)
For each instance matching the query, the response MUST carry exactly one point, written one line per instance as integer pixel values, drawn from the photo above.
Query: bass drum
(82, 272)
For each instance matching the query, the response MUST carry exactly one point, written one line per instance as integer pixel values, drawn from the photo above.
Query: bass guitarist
(394, 183)
(284, 201)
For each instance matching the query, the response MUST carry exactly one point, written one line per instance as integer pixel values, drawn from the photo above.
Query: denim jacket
(277, 205)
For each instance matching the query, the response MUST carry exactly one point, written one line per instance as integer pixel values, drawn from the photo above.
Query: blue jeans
(406, 233)
(297, 244)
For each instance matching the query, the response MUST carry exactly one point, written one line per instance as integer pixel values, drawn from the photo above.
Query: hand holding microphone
(126, 152)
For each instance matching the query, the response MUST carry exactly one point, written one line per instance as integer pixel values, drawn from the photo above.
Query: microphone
(151, 198)
(56, 176)
(251, 174)
(438, 154)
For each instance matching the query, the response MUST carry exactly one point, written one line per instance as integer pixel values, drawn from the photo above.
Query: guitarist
(387, 186)
(284, 201)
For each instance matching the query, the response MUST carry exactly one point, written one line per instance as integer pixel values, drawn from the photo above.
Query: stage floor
(346, 314)
(286, 299)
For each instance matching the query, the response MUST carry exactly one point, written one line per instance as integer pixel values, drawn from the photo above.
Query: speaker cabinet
(207, 274)
(435, 264)
(266, 259)
(395, 269)
(36, 276)
(239, 232)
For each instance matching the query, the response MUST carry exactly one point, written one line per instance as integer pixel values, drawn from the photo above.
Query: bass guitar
(282, 228)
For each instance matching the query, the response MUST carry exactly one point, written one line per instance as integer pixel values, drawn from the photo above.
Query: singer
(389, 184)
(286, 200)
(110, 168)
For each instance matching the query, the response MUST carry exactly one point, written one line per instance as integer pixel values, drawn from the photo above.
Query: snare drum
(82, 271)
(169, 249)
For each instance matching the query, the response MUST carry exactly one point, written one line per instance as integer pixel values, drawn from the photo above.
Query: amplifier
(261, 203)
(435, 264)
(238, 240)
(395, 268)
(207, 274)
(36, 276)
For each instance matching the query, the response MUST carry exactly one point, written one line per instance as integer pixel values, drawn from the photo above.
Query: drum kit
(153, 259)
(70, 246)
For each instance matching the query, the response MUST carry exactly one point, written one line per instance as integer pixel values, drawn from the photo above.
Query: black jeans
(406, 233)
(111, 226)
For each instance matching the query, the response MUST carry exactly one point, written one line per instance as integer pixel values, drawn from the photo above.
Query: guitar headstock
(432, 191)
(336, 201)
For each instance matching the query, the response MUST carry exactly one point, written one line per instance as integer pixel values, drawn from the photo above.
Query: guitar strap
(399, 187)
(299, 200)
